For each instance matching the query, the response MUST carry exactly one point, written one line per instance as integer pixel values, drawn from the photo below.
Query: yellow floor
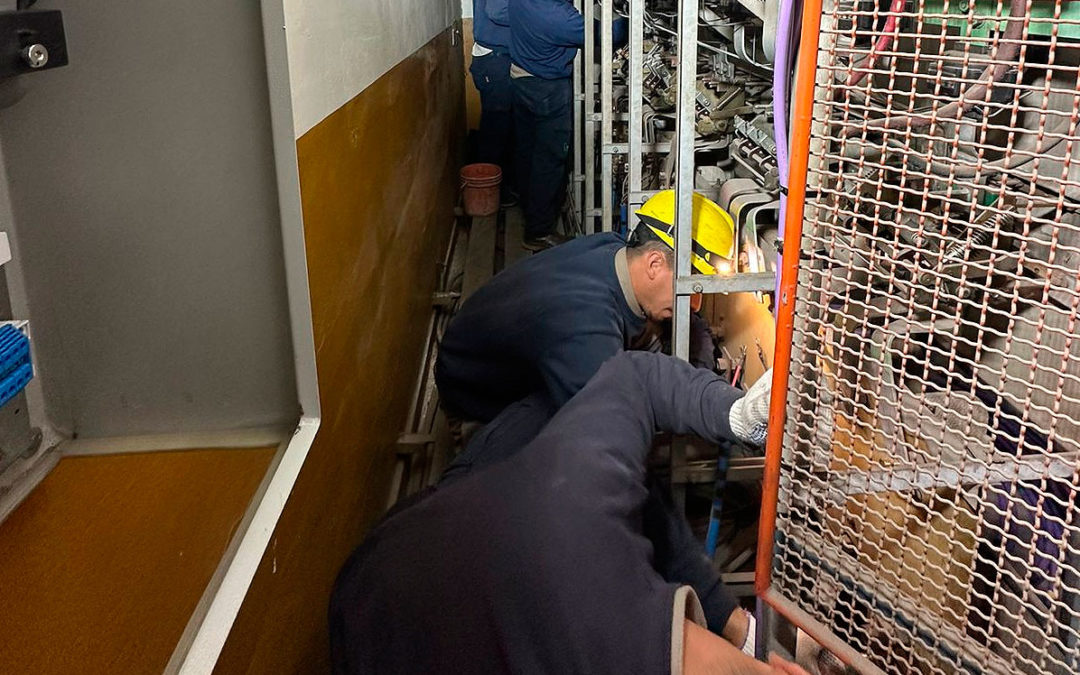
(103, 564)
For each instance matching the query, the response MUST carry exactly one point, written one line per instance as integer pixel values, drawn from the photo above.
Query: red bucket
(480, 188)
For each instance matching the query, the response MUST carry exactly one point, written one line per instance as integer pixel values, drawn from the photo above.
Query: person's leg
(550, 102)
(503, 437)
(524, 137)
(491, 74)
(501, 124)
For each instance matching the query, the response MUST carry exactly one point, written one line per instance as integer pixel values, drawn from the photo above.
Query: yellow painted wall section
(103, 564)
(378, 181)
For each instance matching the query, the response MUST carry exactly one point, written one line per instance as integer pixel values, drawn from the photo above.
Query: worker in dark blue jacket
(539, 563)
(546, 323)
(678, 556)
(545, 35)
(490, 69)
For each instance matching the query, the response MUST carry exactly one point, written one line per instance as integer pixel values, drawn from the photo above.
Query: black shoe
(547, 241)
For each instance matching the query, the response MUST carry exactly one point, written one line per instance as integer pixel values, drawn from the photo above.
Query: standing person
(490, 69)
(545, 36)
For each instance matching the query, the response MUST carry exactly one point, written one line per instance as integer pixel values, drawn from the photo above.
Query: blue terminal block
(16, 369)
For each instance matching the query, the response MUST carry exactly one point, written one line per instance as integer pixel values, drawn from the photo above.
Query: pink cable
(883, 42)
(1000, 62)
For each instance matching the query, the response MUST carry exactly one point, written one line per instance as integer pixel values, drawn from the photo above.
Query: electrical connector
(16, 368)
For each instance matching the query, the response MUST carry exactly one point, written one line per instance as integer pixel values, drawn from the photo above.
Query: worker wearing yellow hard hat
(712, 232)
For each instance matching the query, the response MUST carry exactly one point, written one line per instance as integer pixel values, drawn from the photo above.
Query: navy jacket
(539, 563)
(677, 554)
(491, 24)
(546, 34)
(544, 324)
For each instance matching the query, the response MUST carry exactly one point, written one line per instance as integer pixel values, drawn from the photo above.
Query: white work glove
(750, 645)
(749, 418)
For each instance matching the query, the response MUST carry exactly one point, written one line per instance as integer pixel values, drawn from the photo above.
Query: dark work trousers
(677, 555)
(509, 432)
(494, 140)
(543, 127)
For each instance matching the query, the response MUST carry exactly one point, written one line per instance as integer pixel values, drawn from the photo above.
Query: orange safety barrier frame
(992, 282)
(802, 117)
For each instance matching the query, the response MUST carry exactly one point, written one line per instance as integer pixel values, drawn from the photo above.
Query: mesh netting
(929, 483)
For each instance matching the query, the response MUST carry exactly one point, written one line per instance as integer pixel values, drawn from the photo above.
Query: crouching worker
(539, 563)
(546, 323)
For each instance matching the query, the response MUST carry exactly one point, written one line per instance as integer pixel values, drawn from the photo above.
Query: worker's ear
(657, 264)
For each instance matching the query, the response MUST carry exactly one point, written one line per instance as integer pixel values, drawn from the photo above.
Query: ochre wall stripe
(103, 564)
(378, 182)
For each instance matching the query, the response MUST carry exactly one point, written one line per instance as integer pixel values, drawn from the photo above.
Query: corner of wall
(378, 183)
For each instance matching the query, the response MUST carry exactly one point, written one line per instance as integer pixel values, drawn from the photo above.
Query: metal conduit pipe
(785, 24)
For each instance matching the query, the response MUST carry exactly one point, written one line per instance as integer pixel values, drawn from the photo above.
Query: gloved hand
(749, 417)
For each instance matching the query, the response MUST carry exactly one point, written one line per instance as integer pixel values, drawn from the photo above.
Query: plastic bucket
(480, 188)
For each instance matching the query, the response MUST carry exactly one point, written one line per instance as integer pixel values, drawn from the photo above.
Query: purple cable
(785, 25)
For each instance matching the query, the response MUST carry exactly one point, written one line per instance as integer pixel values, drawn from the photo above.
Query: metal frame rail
(598, 210)
(601, 216)
(577, 180)
(590, 100)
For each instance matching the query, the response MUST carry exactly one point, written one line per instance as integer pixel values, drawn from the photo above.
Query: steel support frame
(578, 178)
(634, 128)
(603, 205)
(590, 120)
(607, 112)
(684, 171)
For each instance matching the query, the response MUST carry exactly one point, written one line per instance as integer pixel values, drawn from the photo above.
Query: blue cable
(712, 537)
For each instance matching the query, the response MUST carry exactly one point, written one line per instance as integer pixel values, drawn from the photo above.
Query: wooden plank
(103, 564)
(515, 235)
(480, 257)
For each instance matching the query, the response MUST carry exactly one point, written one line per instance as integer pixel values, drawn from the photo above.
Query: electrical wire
(786, 25)
(1002, 59)
(883, 42)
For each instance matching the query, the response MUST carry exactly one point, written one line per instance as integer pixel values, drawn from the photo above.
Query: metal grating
(928, 488)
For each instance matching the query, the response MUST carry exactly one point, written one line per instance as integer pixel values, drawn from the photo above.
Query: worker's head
(652, 265)
(651, 249)
(712, 229)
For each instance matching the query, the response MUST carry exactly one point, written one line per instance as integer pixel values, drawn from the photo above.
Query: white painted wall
(338, 47)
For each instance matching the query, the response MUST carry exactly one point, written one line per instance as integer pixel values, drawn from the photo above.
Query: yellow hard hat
(713, 231)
